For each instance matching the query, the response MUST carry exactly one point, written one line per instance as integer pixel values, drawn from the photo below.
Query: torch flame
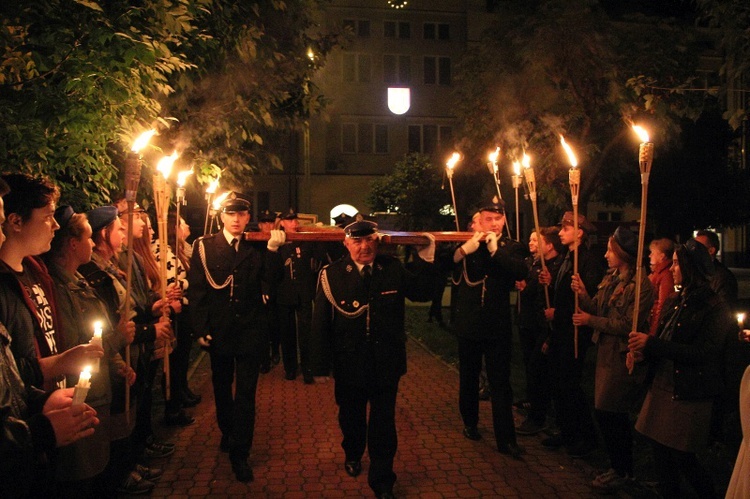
(451, 164)
(493, 155)
(142, 140)
(569, 151)
(182, 177)
(516, 168)
(165, 164)
(642, 133)
(212, 186)
(217, 202)
(526, 161)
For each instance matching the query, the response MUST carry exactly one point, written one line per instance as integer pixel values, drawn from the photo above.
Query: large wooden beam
(388, 236)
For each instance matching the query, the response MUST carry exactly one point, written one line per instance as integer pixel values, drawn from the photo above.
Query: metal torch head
(646, 156)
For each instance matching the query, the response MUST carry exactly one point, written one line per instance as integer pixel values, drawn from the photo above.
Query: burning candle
(743, 335)
(96, 340)
(81, 389)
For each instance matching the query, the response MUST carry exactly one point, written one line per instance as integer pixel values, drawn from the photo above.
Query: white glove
(491, 241)
(427, 252)
(278, 238)
(472, 244)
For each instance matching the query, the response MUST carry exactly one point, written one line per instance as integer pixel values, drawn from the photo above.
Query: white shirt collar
(229, 237)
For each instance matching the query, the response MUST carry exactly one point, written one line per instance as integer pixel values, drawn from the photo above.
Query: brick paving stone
(297, 446)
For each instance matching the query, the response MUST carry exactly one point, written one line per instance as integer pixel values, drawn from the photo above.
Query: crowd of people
(321, 310)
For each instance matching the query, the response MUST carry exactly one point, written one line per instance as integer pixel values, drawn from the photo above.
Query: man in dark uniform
(230, 279)
(488, 273)
(577, 430)
(359, 325)
(295, 298)
(266, 223)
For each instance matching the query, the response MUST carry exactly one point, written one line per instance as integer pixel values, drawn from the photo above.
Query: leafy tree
(414, 190)
(565, 67)
(79, 80)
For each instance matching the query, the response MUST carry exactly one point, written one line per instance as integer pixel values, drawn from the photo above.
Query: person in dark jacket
(294, 299)
(358, 326)
(27, 300)
(489, 264)
(230, 280)
(577, 430)
(534, 330)
(33, 423)
(685, 372)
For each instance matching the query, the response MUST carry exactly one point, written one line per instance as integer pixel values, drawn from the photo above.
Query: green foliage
(79, 80)
(414, 190)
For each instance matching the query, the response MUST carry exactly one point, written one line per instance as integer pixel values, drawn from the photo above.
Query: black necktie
(233, 244)
(367, 276)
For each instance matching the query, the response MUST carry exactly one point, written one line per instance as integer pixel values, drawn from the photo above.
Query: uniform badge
(348, 268)
(299, 252)
(355, 304)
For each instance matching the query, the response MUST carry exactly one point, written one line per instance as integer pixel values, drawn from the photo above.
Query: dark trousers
(146, 374)
(295, 321)
(538, 380)
(179, 361)
(670, 463)
(236, 413)
(378, 434)
(618, 439)
(573, 412)
(496, 355)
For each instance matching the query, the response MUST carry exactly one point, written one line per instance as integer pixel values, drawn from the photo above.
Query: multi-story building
(359, 138)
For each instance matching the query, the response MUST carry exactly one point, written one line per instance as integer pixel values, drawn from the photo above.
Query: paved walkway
(297, 453)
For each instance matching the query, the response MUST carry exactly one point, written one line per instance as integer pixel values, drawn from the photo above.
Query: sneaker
(609, 481)
(528, 427)
(135, 484)
(156, 450)
(150, 474)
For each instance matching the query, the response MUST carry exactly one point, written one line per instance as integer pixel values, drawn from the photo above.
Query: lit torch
(517, 180)
(449, 166)
(133, 164)
(180, 201)
(216, 206)
(645, 159)
(574, 179)
(492, 167)
(161, 203)
(528, 173)
(210, 190)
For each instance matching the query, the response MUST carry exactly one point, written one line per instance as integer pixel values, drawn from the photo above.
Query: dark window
(446, 136)
(429, 138)
(365, 138)
(381, 139)
(444, 32)
(389, 29)
(363, 29)
(415, 138)
(363, 61)
(349, 138)
(264, 201)
(429, 31)
(445, 71)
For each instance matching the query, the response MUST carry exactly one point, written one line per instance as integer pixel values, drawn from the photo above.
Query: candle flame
(165, 164)
(217, 202)
(86, 372)
(182, 177)
(516, 168)
(526, 161)
(97, 327)
(451, 164)
(212, 186)
(740, 319)
(642, 133)
(569, 151)
(142, 140)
